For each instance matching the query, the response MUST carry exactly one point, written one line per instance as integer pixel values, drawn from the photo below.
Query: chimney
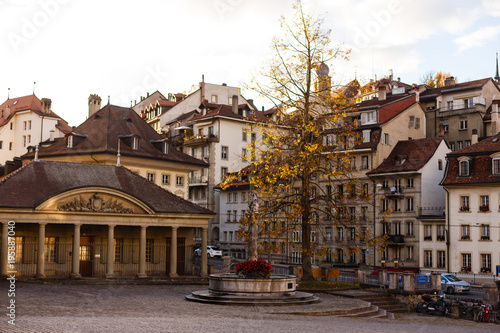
(449, 81)
(390, 75)
(94, 104)
(52, 132)
(46, 104)
(474, 137)
(235, 104)
(381, 93)
(416, 91)
(494, 118)
(202, 88)
(6, 112)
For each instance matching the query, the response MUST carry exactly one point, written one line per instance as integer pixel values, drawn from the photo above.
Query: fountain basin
(231, 284)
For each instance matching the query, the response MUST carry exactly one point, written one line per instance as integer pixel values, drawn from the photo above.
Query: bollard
(436, 281)
(409, 282)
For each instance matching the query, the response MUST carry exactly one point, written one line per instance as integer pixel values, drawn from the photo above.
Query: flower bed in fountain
(254, 269)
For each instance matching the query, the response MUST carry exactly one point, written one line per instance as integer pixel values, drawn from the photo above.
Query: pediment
(95, 201)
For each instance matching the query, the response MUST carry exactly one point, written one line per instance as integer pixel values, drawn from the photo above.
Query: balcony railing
(196, 139)
(396, 240)
(393, 191)
(198, 180)
(461, 105)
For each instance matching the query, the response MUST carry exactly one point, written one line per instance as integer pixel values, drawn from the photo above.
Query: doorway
(87, 248)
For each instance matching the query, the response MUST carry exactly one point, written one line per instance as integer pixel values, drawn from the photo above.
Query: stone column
(490, 294)
(173, 253)
(409, 282)
(382, 277)
(204, 236)
(142, 253)
(359, 276)
(3, 252)
(110, 258)
(40, 264)
(436, 281)
(76, 253)
(393, 281)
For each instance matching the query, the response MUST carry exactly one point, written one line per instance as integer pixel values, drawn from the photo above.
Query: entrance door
(181, 256)
(87, 256)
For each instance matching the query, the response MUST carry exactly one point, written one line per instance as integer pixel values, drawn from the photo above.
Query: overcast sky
(122, 49)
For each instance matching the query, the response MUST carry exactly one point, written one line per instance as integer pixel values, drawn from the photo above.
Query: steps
(205, 296)
(379, 299)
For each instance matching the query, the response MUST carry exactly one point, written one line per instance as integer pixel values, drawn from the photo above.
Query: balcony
(393, 192)
(198, 181)
(396, 240)
(200, 139)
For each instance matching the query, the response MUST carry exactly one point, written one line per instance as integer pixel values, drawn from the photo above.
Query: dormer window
(463, 168)
(69, 141)
(495, 164)
(135, 143)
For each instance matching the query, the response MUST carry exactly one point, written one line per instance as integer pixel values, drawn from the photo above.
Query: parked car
(212, 251)
(451, 284)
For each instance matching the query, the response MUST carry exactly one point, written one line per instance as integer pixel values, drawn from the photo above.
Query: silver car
(451, 284)
(212, 251)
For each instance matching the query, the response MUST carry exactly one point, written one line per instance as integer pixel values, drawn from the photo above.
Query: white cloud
(477, 38)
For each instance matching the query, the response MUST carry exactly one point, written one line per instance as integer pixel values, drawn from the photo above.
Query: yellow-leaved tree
(303, 151)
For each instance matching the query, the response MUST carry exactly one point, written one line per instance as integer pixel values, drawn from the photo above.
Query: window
(225, 236)
(441, 259)
(235, 215)
(463, 123)
(496, 166)
(51, 249)
(296, 257)
(224, 151)
(11, 126)
(211, 131)
(1, 144)
(297, 236)
(409, 204)
(165, 179)
(313, 236)
(465, 229)
(485, 263)
(223, 173)
(10, 145)
(452, 146)
(467, 143)
(364, 213)
(214, 99)
(427, 258)
(69, 141)
(466, 262)
(417, 123)
(412, 122)
(460, 145)
(441, 233)
(135, 143)
(235, 197)
(484, 203)
(445, 126)
(428, 232)
(364, 190)
(468, 103)
(118, 249)
(397, 205)
(440, 165)
(194, 152)
(340, 255)
(364, 162)
(353, 163)
(149, 249)
(179, 180)
(151, 177)
(228, 216)
(340, 233)
(230, 236)
(19, 250)
(385, 205)
(449, 105)
(244, 135)
(385, 228)
(328, 233)
(397, 228)
(485, 232)
(24, 125)
(243, 154)
(463, 168)
(409, 228)
(409, 182)
(464, 203)
(409, 253)
(387, 139)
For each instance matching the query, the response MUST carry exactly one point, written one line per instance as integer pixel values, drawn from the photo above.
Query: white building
(26, 121)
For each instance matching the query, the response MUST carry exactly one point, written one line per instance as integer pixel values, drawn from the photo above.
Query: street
(162, 308)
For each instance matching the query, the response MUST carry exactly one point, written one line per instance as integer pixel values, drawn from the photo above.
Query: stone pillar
(173, 253)
(409, 282)
(142, 253)
(393, 281)
(204, 236)
(436, 281)
(226, 264)
(359, 276)
(455, 311)
(382, 277)
(110, 257)
(40, 263)
(4, 250)
(76, 253)
(490, 294)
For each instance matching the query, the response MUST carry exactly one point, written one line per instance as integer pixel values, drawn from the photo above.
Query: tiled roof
(433, 92)
(30, 102)
(408, 155)
(391, 110)
(51, 178)
(102, 131)
(480, 165)
(214, 110)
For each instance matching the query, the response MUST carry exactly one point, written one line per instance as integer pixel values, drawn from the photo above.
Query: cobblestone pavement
(162, 308)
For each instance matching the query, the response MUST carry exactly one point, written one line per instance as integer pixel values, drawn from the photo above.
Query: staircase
(387, 305)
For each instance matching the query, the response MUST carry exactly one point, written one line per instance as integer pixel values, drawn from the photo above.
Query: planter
(231, 284)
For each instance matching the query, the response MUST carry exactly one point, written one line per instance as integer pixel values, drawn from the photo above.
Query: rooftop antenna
(118, 155)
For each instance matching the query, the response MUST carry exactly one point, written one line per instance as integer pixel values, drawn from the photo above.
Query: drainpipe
(447, 212)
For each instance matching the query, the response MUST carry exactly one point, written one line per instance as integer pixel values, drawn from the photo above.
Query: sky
(123, 49)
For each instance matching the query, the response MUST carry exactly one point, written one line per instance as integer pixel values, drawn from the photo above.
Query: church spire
(497, 77)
